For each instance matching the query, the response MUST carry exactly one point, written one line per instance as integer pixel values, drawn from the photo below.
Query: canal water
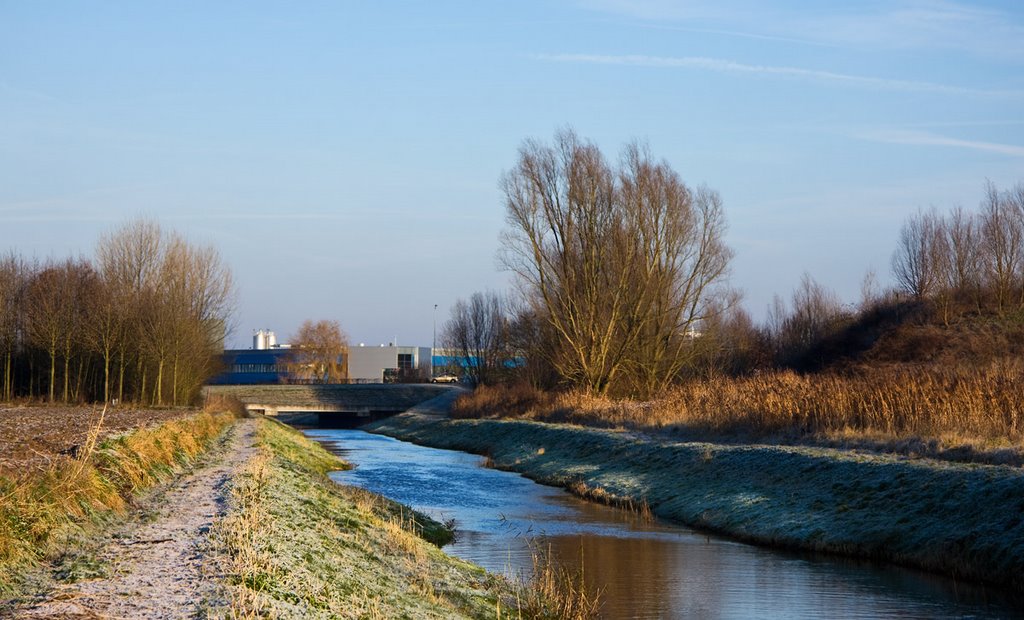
(644, 569)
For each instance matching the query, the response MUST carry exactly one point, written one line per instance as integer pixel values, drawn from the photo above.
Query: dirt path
(159, 565)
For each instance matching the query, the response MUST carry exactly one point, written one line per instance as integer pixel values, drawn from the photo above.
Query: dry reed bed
(983, 406)
(42, 509)
(958, 519)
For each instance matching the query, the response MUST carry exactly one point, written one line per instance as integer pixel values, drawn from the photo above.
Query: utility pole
(433, 345)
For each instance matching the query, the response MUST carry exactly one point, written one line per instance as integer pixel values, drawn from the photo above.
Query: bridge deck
(272, 399)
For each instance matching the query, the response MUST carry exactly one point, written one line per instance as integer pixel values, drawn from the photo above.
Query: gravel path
(159, 565)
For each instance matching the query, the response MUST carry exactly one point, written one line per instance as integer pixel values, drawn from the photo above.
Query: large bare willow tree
(621, 262)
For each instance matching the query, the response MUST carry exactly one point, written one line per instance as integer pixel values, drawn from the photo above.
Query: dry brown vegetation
(555, 591)
(982, 407)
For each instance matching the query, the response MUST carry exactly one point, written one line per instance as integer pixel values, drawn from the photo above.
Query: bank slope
(295, 545)
(959, 519)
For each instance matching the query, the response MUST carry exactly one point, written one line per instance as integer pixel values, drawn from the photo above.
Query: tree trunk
(120, 379)
(142, 386)
(53, 371)
(106, 375)
(159, 396)
(7, 375)
(174, 382)
(67, 372)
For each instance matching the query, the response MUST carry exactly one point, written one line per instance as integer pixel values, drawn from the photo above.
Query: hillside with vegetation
(624, 318)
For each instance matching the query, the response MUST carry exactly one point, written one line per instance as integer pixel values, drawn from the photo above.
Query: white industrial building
(383, 363)
(364, 364)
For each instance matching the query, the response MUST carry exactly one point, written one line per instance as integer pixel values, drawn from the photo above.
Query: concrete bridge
(332, 405)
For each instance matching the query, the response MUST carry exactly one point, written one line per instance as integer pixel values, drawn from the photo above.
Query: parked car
(445, 379)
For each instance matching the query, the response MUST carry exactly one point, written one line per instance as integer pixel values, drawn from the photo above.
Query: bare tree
(51, 316)
(152, 300)
(870, 291)
(963, 269)
(815, 313)
(199, 293)
(167, 305)
(680, 239)
(729, 342)
(317, 351)
(128, 259)
(618, 263)
(1014, 200)
(916, 263)
(14, 277)
(78, 281)
(560, 240)
(1002, 242)
(106, 329)
(477, 333)
(530, 340)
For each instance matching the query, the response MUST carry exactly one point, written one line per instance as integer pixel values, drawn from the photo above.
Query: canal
(644, 568)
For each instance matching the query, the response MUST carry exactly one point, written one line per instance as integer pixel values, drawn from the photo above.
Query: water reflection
(644, 569)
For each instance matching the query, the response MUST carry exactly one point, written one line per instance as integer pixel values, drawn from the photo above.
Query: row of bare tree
(978, 256)
(144, 321)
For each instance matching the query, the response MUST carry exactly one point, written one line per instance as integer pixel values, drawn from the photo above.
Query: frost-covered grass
(959, 519)
(294, 544)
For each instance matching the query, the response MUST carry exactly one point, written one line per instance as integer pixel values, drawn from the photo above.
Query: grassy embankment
(962, 414)
(958, 519)
(49, 515)
(294, 544)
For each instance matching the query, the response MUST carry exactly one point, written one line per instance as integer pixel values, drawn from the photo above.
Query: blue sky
(344, 156)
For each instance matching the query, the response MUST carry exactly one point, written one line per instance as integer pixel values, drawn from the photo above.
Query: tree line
(965, 257)
(621, 279)
(143, 321)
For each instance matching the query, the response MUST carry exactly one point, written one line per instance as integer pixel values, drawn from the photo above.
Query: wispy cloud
(925, 24)
(924, 138)
(728, 66)
(896, 24)
(742, 34)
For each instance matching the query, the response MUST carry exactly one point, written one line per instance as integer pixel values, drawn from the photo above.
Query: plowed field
(32, 437)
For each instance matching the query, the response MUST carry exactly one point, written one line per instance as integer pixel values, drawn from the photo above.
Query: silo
(259, 340)
(271, 339)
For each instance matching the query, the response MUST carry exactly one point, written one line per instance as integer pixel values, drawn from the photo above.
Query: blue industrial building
(252, 367)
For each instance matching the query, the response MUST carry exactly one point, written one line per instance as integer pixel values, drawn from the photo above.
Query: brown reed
(984, 404)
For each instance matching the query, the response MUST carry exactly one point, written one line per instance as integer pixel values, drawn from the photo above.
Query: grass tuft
(555, 592)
